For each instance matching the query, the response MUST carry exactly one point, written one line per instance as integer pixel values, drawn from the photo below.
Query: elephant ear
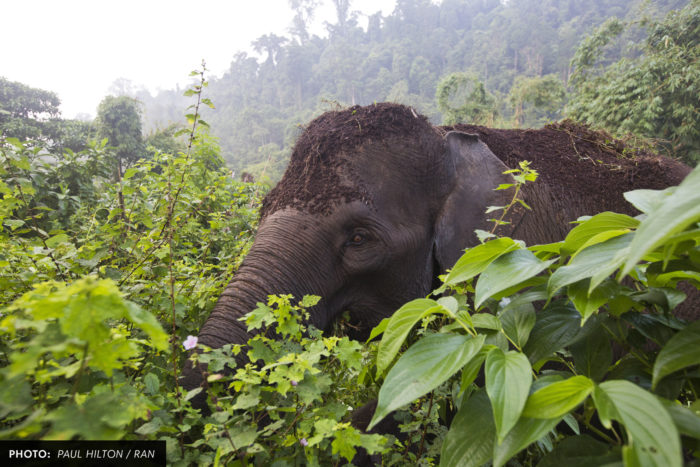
(477, 172)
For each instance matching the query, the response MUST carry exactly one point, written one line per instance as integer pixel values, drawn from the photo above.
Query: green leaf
(13, 223)
(425, 365)
(471, 370)
(152, 383)
(129, 173)
(243, 436)
(593, 354)
(686, 419)
(681, 351)
(556, 327)
(558, 399)
(580, 451)
(588, 302)
(600, 238)
(470, 440)
(647, 200)
(508, 380)
(517, 322)
(672, 215)
(56, 240)
(596, 225)
(524, 433)
(378, 329)
(486, 321)
(506, 271)
(400, 324)
(596, 262)
(652, 435)
(476, 259)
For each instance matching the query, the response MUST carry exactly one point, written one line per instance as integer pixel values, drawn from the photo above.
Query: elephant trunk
(276, 264)
(224, 325)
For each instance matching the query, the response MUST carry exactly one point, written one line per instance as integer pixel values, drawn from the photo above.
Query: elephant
(376, 202)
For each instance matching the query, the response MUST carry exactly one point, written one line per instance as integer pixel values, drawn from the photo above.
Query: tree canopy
(654, 94)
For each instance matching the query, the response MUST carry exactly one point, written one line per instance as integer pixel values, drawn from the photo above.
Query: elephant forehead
(316, 189)
(322, 170)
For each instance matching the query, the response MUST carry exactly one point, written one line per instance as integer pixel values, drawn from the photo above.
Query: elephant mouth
(354, 323)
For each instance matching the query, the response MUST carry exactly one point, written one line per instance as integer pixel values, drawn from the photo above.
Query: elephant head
(374, 204)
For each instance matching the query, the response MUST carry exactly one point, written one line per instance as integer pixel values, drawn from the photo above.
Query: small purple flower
(293, 383)
(190, 343)
(303, 442)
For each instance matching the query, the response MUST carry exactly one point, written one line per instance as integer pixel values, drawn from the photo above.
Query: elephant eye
(357, 238)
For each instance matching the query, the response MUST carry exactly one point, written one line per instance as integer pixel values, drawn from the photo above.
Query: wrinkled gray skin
(369, 258)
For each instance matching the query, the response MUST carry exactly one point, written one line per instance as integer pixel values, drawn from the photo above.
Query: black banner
(83, 453)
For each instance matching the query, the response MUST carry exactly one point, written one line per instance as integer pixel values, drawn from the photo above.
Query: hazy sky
(78, 48)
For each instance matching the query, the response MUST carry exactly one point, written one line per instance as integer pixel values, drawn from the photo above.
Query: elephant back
(586, 171)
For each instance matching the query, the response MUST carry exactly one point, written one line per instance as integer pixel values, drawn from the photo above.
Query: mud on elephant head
(376, 202)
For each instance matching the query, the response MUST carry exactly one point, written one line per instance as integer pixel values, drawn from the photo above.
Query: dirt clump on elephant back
(312, 182)
(578, 163)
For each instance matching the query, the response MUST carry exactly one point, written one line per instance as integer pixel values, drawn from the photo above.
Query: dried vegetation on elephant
(573, 160)
(312, 179)
(577, 162)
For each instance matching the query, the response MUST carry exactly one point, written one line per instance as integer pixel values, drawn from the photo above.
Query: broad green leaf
(476, 259)
(600, 238)
(449, 303)
(596, 262)
(378, 329)
(681, 351)
(558, 399)
(469, 443)
(13, 223)
(400, 324)
(471, 370)
(547, 248)
(647, 200)
(56, 240)
(524, 433)
(593, 354)
(587, 302)
(508, 380)
(486, 321)
(152, 383)
(670, 216)
(506, 271)
(556, 327)
(652, 435)
(687, 421)
(426, 364)
(517, 322)
(580, 451)
(596, 225)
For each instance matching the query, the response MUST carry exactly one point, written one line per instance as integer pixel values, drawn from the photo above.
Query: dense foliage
(90, 267)
(96, 269)
(655, 94)
(602, 372)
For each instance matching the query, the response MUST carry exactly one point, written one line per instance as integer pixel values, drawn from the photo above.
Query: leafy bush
(95, 269)
(290, 406)
(603, 372)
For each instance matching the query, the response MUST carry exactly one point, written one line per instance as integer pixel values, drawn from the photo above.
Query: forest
(118, 236)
